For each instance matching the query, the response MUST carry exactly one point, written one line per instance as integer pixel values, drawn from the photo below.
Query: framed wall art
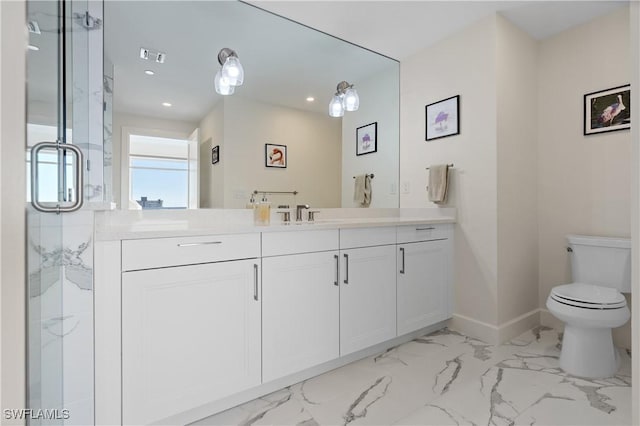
(215, 154)
(367, 139)
(275, 155)
(607, 110)
(443, 118)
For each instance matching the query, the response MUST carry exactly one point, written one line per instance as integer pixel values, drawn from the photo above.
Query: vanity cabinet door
(190, 336)
(424, 284)
(300, 314)
(367, 297)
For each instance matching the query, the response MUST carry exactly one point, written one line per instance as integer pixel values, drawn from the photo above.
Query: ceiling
(401, 28)
(284, 62)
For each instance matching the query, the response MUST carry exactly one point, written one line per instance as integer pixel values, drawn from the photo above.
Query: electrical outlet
(393, 189)
(239, 194)
(406, 187)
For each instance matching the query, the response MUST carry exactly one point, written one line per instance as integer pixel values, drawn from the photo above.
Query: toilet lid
(589, 295)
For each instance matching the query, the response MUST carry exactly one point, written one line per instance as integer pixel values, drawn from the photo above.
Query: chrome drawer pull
(431, 228)
(346, 268)
(206, 243)
(255, 282)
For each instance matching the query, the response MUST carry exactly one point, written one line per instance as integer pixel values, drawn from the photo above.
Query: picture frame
(367, 139)
(275, 155)
(215, 154)
(442, 118)
(607, 110)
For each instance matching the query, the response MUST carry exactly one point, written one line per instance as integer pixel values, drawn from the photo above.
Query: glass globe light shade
(222, 85)
(336, 108)
(351, 100)
(232, 71)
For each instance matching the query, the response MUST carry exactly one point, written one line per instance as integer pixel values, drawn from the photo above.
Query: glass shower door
(59, 230)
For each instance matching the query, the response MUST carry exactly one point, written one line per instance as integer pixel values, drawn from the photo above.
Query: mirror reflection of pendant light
(222, 85)
(336, 109)
(345, 99)
(232, 71)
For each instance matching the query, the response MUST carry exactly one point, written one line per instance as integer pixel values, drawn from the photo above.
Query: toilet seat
(588, 296)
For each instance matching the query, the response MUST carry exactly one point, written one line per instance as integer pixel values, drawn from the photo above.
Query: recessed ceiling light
(33, 47)
(311, 99)
(149, 72)
(167, 104)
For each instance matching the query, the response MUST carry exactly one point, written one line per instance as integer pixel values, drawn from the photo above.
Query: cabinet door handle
(346, 268)
(255, 281)
(430, 228)
(204, 243)
(335, 256)
(402, 267)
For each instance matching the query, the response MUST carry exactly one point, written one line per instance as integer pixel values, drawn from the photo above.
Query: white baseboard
(473, 328)
(493, 334)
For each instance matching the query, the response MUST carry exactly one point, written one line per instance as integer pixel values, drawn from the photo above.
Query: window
(159, 172)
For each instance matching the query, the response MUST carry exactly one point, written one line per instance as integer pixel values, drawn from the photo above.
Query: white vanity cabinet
(367, 287)
(424, 293)
(190, 334)
(300, 307)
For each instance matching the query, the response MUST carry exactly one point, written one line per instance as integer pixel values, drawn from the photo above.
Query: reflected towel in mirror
(362, 190)
(438, 183)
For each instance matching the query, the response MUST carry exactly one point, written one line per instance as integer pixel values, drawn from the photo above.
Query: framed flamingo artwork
(275, 155)
(443, 118)
(367, 139)
(607, 110)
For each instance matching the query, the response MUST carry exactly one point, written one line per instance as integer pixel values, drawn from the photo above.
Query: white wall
(584, 181)
(379, 102)
(436, 73)
(516, 62)
(212, 175)
(12, 214)
(313, 143)
(125, 120)
(635, 209)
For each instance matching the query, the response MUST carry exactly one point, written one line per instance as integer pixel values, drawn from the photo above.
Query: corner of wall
(12, 229)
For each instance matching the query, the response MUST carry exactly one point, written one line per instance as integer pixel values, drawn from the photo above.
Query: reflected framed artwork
(215, 154)
(443, 118)
(607, 110)
(275, 155)
(367, 139)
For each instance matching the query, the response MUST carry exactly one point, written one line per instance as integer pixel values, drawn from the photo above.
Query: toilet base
(589, 352)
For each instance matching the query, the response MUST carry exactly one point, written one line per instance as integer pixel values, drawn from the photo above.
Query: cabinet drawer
(163, 252)
(367, 237)
(280, 243)
(413, 233)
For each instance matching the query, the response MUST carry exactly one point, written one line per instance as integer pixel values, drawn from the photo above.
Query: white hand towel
(438, 183)
(362, 190)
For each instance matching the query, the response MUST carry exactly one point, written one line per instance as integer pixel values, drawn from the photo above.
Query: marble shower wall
(60, 253)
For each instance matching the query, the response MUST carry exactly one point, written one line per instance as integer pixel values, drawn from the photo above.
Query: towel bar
(370, 175)
(450, 165)
(255, 191)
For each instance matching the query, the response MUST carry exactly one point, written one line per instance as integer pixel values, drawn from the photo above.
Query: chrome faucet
(299, 209)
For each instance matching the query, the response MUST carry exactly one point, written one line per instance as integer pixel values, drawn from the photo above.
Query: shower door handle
(78, 172)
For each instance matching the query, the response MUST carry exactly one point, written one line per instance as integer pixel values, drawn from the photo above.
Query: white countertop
(127, 226)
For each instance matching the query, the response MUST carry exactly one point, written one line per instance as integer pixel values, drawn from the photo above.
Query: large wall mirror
(178, 144)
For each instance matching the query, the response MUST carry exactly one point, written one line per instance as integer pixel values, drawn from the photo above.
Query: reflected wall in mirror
(286, 64)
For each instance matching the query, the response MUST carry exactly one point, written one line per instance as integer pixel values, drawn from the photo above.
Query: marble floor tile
(446, 378)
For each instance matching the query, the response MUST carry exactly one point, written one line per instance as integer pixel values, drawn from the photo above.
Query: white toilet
(593, 304)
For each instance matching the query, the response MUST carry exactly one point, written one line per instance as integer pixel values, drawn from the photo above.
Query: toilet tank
(601, 261)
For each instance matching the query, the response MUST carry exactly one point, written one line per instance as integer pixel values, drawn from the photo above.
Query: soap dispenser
(252, 202)
(262, 212)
